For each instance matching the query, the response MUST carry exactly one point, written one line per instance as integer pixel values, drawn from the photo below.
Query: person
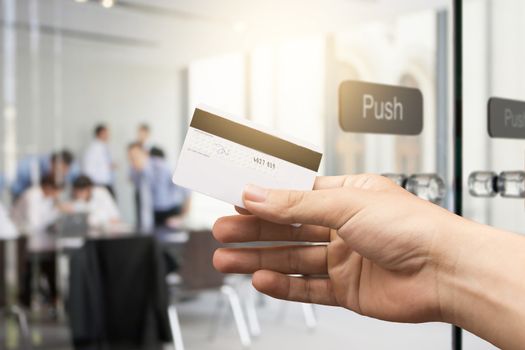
(7, 227)
(98, 162)
(143, 140)
(30, 169)
(33, 213)
(96, 201)
(36, 210)
(144, 136)
(152, 175)
(381, 252)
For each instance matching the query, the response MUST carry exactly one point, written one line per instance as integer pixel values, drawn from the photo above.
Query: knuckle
(293, 201)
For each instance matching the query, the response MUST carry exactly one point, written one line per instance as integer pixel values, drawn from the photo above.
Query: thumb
(330, 207)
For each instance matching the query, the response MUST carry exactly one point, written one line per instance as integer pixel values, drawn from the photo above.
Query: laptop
(72, 225)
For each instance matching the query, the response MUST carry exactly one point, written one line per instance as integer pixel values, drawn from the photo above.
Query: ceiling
(176, 31)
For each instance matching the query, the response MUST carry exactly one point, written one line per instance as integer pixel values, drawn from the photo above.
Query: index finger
(328, 207)
(327, 182)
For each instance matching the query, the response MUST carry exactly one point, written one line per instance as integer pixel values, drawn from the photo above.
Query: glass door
(289, 74)
(494, 115)
(279, 63)
(389, 52)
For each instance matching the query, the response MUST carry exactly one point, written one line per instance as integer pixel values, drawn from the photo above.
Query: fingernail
(254, 193)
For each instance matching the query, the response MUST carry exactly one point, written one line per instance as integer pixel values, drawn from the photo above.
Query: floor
(283, 326)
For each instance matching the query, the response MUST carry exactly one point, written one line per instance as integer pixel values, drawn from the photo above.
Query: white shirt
(32, 214)
(101, 208)
(7, 228)
(98, 164)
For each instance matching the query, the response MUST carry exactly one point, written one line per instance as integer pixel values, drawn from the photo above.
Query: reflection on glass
(493, 67)
(9, 88)
(152, 61)
(35, 106)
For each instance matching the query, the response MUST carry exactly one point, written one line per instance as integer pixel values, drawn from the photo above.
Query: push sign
(381, 109)
(506, 118)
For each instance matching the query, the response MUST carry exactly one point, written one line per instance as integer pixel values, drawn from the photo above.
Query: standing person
(98, 162)
(158, 194)
(144, 136)
(170, 201)
(144, 141)
(138, 158)
(31, 169)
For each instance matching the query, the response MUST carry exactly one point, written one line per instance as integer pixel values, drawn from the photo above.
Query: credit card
(222, 154)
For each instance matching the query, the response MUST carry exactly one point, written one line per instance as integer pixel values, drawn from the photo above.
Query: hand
(379, 249)
(66, 208)
(175, 222)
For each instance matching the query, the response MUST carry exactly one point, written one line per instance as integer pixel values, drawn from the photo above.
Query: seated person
(152, 176)
(7, 227)
(35, 210)
(58, 165)
(96, 201)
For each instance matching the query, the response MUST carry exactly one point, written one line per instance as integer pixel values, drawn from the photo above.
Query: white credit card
(222, 154)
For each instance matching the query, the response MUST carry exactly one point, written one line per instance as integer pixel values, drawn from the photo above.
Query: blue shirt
(24, 179)
(164, 194)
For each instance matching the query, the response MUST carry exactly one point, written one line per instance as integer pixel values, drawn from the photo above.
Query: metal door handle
(511, 184)
(427, 186)
(398, 179)
(483, 184)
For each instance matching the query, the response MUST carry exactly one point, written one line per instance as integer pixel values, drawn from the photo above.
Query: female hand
(378, 254)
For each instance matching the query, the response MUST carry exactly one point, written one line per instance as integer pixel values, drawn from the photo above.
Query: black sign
(381, 109)
(506, 118)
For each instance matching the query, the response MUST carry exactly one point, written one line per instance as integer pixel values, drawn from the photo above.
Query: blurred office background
(70, 66)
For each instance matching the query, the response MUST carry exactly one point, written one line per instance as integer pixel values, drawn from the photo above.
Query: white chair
(196, 276)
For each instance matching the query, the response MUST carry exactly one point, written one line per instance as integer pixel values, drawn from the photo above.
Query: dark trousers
(137, 208)
(162, 216)
(45, 264)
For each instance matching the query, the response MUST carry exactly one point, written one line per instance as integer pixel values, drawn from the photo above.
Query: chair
(118, 296)
(250, 301)
(198, 275)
